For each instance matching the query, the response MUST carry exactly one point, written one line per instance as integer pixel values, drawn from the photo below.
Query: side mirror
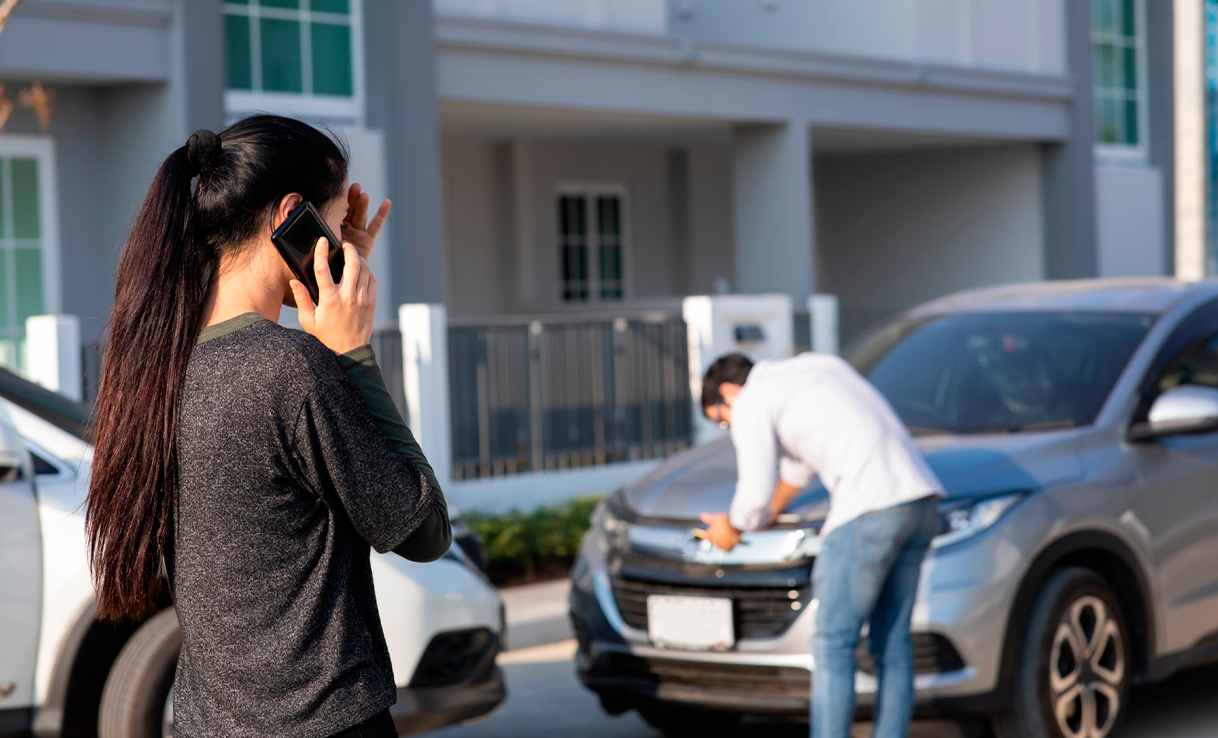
(12, 453)
(1189, 409)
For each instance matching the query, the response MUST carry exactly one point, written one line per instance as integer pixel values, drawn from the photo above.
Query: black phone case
(296, 240)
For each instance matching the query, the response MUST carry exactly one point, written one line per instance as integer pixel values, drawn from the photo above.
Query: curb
(537, 614)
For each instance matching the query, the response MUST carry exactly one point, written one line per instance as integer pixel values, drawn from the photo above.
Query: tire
(1057, 694)
(136, 700)
(687, 722)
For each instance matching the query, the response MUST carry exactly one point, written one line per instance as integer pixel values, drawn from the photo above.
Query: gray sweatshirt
(289, 472)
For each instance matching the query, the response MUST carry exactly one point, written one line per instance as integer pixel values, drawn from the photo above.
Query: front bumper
(419, 710)
(958, 625)
(479, 692)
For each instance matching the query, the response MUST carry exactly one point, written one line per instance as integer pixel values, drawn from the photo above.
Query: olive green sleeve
(433, 538)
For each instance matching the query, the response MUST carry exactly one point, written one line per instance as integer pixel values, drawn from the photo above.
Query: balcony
(632, 16)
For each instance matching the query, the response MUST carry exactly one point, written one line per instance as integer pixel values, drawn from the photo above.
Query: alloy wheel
(1086, 670)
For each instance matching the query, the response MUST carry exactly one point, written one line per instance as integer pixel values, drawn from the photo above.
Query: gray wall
(1019, 35)
(401, 101)
(1129, 217)
(896, 229)
(484, 252)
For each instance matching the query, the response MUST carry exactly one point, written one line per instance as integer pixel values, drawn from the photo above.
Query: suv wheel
(679, 722)
(137, 700)
(1072, 679)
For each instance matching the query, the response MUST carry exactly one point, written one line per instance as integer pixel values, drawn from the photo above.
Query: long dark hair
(176, 243)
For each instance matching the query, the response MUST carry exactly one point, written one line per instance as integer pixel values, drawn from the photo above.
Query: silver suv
(1075, 428)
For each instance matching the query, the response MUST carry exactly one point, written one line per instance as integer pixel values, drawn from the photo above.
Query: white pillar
(425, 362)
(53, 350)
(1189, 41)
(772, 209)
(758, 326)
(822, 315)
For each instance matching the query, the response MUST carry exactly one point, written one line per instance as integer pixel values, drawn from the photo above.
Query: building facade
(598, 154)
(553, 162)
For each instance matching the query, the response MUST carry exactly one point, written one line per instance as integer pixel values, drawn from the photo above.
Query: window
(306, 50)
(591, 234)
(1196, 365)
(1118, 73)
(28, 263)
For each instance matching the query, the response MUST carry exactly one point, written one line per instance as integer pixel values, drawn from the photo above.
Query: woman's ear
(287, 204)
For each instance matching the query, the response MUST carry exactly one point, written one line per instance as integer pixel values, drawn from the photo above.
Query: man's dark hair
(733, 368)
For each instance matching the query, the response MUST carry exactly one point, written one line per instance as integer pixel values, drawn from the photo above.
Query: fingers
(321, 268)
(357, 207)
(365, 276)
(707, 518)
(353, 195)
(378, 220)
(304, 305)
(360, 219)
(351, 270)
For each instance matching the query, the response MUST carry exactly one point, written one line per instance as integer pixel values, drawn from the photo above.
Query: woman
(258, 463)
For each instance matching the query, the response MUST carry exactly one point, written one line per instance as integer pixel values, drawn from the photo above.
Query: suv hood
(703, 479)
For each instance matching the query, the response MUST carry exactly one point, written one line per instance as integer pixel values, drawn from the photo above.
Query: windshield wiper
(922, 430)
(1032, 427)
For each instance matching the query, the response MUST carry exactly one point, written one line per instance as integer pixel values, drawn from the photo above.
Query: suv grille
(932, 654)
(787, 681)
(757, 612)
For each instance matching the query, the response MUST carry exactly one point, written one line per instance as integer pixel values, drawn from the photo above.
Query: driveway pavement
(545, 700)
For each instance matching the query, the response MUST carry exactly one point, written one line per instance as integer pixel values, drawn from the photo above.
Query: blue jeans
(867, 572)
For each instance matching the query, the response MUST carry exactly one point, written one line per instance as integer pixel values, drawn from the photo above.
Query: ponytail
(158, 305)
(175, 247)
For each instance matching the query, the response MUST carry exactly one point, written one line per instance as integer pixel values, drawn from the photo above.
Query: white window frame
(42, 149)
(306, 104)
(590, 190)
(1126, 154)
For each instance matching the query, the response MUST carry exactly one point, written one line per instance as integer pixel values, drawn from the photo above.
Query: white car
(64, 673)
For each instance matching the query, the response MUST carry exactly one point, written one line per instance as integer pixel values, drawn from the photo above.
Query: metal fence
(557, 395)
(387, 345)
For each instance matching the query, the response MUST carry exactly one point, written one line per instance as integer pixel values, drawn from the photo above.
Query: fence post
(756, 325)
(425, 368)
(53, 351)
(822, 316)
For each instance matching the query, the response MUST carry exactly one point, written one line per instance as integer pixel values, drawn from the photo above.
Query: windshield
(999, 372)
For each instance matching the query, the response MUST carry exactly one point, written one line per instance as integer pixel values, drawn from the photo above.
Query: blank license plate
(691, 623)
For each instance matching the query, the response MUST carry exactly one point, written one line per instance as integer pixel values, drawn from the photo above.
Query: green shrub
(525, 547)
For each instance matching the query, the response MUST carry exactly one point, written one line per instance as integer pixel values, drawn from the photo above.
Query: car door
(1179, 500)
(20, 574)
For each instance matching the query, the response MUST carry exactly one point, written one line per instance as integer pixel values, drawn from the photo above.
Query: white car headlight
(960, 520)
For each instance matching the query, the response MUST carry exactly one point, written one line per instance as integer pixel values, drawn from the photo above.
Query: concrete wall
(710, 229)
(1015, 35)
(896, 229)
(1129, 216)
(490, 187)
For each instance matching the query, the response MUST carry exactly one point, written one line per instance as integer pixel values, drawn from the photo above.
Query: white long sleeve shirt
(814, 414)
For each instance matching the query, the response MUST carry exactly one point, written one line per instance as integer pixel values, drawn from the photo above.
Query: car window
(43, 467)
(1196, 365)
(995, 372)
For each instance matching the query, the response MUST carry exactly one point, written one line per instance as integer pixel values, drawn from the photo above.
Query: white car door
(20, 574)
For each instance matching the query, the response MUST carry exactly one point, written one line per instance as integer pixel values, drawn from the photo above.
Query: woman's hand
(342, 319)
(356, 227)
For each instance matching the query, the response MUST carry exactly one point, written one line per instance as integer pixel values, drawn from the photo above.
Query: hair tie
(204, 151)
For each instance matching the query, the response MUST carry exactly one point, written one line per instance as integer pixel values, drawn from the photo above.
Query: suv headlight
(962, 519)
(608, 522)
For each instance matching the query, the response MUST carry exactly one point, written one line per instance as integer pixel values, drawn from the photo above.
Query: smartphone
(296, 240)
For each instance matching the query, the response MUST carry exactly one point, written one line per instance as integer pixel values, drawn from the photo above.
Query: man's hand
(719, 531)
